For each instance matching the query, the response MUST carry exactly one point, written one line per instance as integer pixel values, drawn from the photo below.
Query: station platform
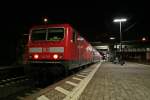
(116, 82)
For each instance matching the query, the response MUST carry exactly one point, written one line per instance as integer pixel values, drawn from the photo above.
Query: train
(57, 49)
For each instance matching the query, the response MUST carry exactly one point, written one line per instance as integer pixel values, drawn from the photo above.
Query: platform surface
(115, 82)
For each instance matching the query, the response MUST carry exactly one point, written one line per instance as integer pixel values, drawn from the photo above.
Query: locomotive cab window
(55, 34)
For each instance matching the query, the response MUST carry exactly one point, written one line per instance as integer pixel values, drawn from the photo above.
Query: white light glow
(45, 19)
(55, 56)
(112, 38)
(36, 56)
(102, 47)
(120, 20)
(143, 38)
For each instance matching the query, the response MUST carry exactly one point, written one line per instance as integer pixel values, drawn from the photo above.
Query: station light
(111, 38)
(143, 39)
(120, 20)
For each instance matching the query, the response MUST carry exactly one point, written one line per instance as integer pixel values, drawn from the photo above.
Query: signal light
(36, 56)
(55, 56)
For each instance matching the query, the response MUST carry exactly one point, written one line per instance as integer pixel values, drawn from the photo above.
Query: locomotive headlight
(36, 56)
(55, 56)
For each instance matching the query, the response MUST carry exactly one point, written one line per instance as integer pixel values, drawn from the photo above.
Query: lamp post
(120, 20)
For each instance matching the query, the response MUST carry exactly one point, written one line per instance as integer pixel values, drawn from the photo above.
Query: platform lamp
(120, 20)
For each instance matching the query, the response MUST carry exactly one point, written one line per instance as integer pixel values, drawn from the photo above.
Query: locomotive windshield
(50, 34)
(39, 34)
(55, 34)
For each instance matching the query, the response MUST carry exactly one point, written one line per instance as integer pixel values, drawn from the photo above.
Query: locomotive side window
(38, 34)
(74, 36)
(55, 34)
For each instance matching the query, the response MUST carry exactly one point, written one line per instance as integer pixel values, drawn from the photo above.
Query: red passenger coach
(58, 46)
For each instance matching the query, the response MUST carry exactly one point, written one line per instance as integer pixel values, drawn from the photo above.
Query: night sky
(93, 20)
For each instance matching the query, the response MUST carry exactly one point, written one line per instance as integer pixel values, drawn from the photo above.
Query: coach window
(74, 36)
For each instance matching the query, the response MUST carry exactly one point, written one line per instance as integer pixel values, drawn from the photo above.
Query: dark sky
(94, 20)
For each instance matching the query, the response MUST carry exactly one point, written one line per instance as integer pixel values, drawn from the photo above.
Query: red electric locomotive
(60, 47)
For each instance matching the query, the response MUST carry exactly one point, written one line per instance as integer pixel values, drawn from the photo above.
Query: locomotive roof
(51, 25)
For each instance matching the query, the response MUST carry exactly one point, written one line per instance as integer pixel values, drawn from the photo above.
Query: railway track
(13, 80)
(7, 72)
(11, 75)
(12, 85)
